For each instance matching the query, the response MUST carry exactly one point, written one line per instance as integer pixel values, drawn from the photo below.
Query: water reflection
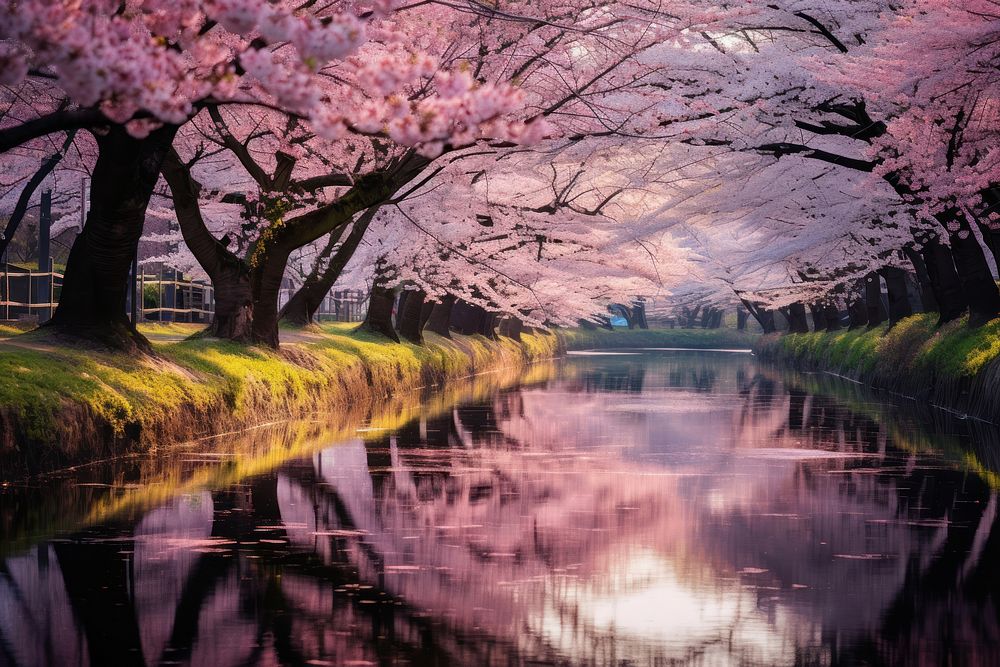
(655, 508)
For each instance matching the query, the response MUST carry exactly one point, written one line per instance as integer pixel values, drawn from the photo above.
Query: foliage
(913, 357)
(699, 339)
(50, 392)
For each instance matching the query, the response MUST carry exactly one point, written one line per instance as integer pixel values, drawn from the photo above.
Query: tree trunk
(440, 316)
(974, 272)
(467, 318)
(857, 311)
(379, 317)
(425, 312)
(928, 299)
(741, 319)
(301, 309)
(873, 300)
(831, 316)
(408, 316)
(951, 301)
(488, 325)
(96, 286)
(511, 327)
(639, 313)
(797, 321)
(818, 316)
(899, 299)
(764, 316)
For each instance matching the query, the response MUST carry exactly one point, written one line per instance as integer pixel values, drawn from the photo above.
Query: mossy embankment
(951, 366)
(60, 405)
(695, 339)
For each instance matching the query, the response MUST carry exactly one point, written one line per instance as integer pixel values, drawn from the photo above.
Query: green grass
(946, 363)
(723, 338)
(59, 400)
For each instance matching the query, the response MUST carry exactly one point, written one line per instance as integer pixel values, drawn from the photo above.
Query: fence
(169, 297)
(166, 296)
(28, 294)
(337, 306)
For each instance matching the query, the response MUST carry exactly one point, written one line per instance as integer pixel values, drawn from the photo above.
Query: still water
(638, 508)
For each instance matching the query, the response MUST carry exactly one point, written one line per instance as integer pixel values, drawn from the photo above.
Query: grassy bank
(699, 339)
(60, 405)
(951, 366)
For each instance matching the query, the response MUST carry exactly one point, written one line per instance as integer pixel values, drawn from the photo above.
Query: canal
(634, 507)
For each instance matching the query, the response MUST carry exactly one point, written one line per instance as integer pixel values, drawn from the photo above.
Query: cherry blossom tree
(134, 74)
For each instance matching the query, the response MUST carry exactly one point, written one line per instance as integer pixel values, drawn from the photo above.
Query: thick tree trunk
(96, 286)
(467, 318)
(797, 320)
(857, 311)
(899, 299)
(873, 300)
(233, 317)
(511, 327)
(741, 319)
(425, 312)
(379, 317)
(764, 316)
(978, 283)
(488, 325)
(818, 316)
(408, 316)
(639, 313)
(928, 298)
(947, 286)
(301, 309)
(831, 315)
(440, 317)
(265, 287)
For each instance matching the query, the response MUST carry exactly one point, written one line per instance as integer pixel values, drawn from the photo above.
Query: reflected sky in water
(654, 508)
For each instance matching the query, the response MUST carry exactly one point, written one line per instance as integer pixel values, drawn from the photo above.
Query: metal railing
(166, 296)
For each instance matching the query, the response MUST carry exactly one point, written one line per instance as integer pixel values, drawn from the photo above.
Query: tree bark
(928, 298)
(408, 316)
(764, 316)
(947, 286)
(96, 283)
(857, 311)
(978, 283)
(488, 324)
(899, 299)
(796, 316)
(511, 327)
(831, 315)
(873, 300)
(741, 319)
(425, 312)
(440, 317)
(379, 317)
(639, 313)
(467, 318)
(818, 316)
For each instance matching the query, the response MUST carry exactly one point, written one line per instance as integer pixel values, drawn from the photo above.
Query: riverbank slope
(60, 405)
(951, 367)
(692, 339)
